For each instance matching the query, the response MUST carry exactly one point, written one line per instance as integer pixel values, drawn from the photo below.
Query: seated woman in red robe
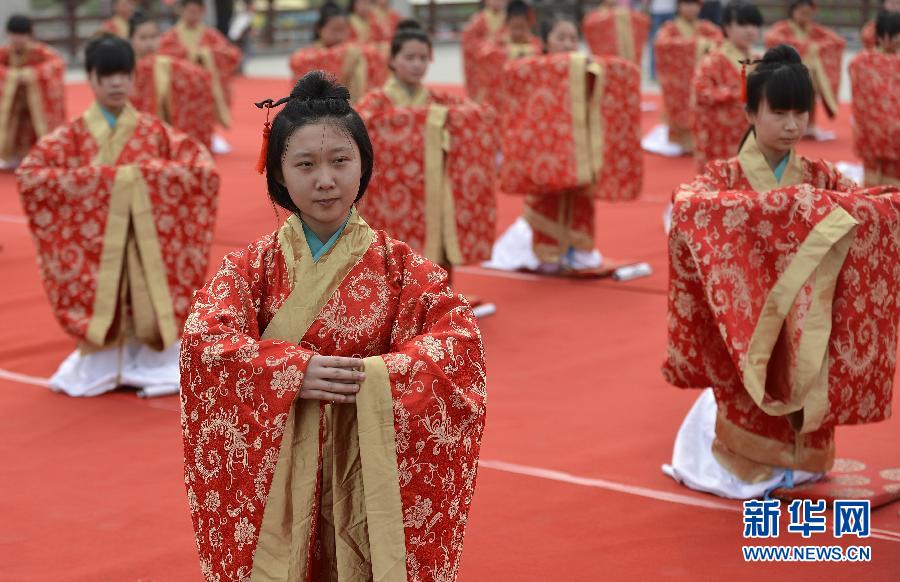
(757, 245)
(487, 26)
(122, 209)
(329, 376)
(718, 104)
(680, 45)
(177, 91)
(579, 140)
(614, 30)
(433, 187)
(359, 67)
(874, 78)
(867, 34)
(117, 24)
(32, 91)
(822, 50)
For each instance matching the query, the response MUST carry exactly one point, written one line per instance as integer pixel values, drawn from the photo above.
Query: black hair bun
(409, 24)
(319, 86)
(783, 54)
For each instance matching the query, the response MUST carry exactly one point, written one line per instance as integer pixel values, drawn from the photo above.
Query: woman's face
(563, 38)
(362, 7)
(145, 39)
(803, 15)
(321, 168)
(778, 130)
(411, 64)
(519, 29)
(334, 32)
(743, 36)
(690, 11)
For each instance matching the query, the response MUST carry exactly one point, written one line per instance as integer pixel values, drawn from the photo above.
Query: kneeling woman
(333, 385)
(728, 444)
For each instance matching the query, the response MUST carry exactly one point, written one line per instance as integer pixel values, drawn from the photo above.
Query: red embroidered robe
(210, 49)
(782, 297)
(875, 79)
(821, 50)
(284, 488)
(360, 67)
(486, 27)
(867, 36)
(718, 116)
(617, 32)
(177, 91)
(680, 46)
(570, 134)
(32, 97)
(123, 220)
(117, 26)
(433, 183)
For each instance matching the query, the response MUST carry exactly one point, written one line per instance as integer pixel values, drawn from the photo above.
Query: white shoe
(220, 145)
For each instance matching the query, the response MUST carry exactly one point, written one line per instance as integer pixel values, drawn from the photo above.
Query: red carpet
(579, 421)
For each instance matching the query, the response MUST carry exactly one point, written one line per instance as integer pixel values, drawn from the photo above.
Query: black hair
(136, 20)
(19, 24)
(784, 81)
(548, 24)
(887, 25)
(317, 97)
(108, 54)
(408, 30)
(518, 8)
(328, 11)
(742, 14)
(351, 6)
(798, 3)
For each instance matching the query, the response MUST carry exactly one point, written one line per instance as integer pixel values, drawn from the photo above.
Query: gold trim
(580, 130)
(494, 21)
(162, 77)
(820, 79)
(821, 255)
(733, 55)
(434, 181)
(625, 34)
(190, 37)
(758, 172)
(559, 229)
(773, 453)
(154, 268)
(208, 61)
(362, 28)
(400, 96)
(596, 125)
(112, 257)
(143, 317)
(35, 105)
(7, 122)
(286, 528)
(381, 477)
(685, 28)
(111, 141)
(354, 68)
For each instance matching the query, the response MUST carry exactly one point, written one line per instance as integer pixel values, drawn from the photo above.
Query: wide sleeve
(711, 86)
(436, 371)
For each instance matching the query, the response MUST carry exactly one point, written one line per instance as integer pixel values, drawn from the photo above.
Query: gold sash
(359, 514)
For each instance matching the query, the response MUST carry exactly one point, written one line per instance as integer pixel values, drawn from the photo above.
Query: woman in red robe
(359, 67)
(718, 105)
(434, 184)
(765, 247)
(874, 78)
(822, 50)
(333, 385)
